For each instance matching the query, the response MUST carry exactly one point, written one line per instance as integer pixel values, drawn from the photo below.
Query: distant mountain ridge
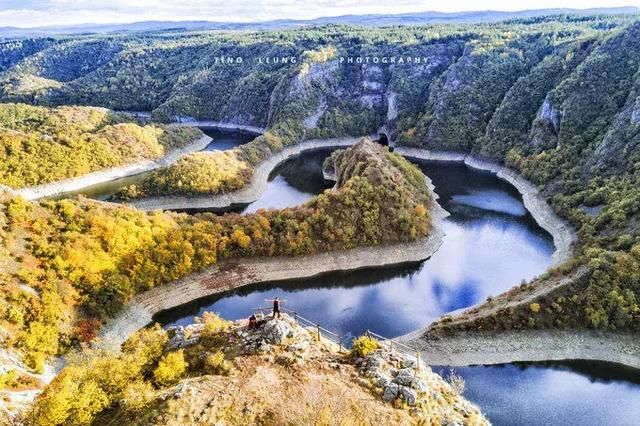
(418, 18)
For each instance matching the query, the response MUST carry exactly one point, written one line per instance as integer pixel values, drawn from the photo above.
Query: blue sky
(28, 13)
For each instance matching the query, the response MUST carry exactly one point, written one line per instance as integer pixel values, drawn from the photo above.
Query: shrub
(363, 346)
(146, 346)
(35, 360)
(216, 364)
(8, 379)
(18, 209)
(170, 369)
(214, 324)
(137, 395)
(534, 307)
(456, 382)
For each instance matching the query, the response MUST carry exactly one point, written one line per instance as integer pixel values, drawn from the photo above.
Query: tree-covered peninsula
(69, 264)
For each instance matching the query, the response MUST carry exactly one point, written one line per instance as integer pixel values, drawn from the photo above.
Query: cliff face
(527, 86)
(554, 98)
(278, 372)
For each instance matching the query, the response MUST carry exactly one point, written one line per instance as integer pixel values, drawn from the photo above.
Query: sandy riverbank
(102, 176)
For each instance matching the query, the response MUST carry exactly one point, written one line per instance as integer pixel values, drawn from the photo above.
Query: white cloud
(29, 13)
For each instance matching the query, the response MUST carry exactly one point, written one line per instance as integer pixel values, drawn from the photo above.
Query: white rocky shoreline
(232, 274)
(102, 176)
(222, 125)
(250, 192)
(486, 348)
(564, 236)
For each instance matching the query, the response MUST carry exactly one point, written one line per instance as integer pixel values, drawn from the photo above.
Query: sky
(32, 13)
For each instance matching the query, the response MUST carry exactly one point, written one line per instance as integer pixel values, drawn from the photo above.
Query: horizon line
(205, 21)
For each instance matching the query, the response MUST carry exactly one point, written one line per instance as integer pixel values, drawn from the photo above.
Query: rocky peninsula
(216, 371)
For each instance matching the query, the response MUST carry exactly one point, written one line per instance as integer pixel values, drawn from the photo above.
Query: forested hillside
(41, 145)
(66, 265)
(554, 97)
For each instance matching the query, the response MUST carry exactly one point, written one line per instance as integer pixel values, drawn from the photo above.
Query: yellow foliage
(363, 346)
(420, 210)
(170, 369)
(216, 364)
(214, 324)
(240, 238)
(40, 145)
(137, 395)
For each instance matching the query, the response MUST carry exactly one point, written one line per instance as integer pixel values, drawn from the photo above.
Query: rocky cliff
(282, 372)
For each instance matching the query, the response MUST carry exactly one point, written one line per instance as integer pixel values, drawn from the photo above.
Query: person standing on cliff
(276, 306)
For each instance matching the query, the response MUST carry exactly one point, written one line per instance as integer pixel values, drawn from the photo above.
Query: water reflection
(469, 267)
(542, 394)
(492, 243)
(226, 139)
(294, 182)
(492, 200)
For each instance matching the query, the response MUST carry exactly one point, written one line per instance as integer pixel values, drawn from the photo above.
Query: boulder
(409, 395)
(183, 337)
(410, 362)
(374, 362)
(419, 385)
(383, 381)
(276, 331)
(405, 377)
(391, 392)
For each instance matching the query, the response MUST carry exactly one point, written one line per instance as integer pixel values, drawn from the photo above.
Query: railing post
(340, 344)
(295, 317)
(318, 329)
(417, 360)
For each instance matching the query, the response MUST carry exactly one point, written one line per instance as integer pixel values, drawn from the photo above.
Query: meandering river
(221, 140)
(492, 244)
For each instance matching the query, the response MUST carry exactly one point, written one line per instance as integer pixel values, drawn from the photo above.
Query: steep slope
(554, 98)
(277, 372)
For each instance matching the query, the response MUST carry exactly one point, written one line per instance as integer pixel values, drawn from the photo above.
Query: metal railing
(319, 330)
(340, 340)
(407, 350)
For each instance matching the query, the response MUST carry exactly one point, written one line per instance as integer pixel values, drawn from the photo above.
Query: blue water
(491, 244)
(225, 139)
(579, 394)
(222, 140)
(467, 269)
(293, 183)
